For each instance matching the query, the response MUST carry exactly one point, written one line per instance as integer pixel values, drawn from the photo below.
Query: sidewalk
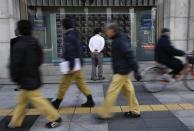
(52, 75)
(170, 110)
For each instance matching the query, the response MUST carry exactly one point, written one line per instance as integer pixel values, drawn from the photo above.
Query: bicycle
(152, 76)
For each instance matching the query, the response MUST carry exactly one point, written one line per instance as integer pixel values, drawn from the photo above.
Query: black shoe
(94, 79)
(101, 78)
(16, 89)
(89, 103)
(132, 115)
(54, 124)
(56, 103)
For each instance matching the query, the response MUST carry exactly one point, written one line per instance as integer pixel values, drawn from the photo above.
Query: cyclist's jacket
(164, 51)
(122, 56)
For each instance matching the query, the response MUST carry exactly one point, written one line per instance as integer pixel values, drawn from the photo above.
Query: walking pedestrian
(96, 46)
(72, 51)
(123, 62)
(25, 62)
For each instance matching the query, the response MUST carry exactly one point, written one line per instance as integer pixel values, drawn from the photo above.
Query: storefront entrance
(138, 24)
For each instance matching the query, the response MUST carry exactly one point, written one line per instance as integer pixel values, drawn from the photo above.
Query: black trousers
(175, 64)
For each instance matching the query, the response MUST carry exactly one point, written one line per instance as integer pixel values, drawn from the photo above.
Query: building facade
(141, 20)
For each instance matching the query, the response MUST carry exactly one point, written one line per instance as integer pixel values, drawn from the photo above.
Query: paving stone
(147, 99)
(126, 124)
(119, 122)
(169, 98)
(84, 118)
(66, 110)
(138, 129)
(189, 97)
(27, 124)
(173, 107)
(163, 122)
(169, 129)
(188, 121)
(39, 125)
(159, 108)
(6, 112)
(191, 128)
(157, 115)
(88, 126)
(144, 108)
(187, 106)
(187, 113)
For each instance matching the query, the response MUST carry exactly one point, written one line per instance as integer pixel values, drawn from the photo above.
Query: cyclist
(165, 54)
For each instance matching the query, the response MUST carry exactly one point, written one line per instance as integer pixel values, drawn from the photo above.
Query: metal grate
(95, 3)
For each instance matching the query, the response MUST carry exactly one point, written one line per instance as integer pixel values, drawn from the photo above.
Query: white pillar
(191, 26)
(176, 17)
(8, 16)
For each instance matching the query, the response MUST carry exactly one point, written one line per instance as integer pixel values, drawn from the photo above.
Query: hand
(96, 53)
(138, 76)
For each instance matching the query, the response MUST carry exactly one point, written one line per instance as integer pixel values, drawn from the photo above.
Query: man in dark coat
(123, 62)
(72, 51)
(165, 53)
(25, 62)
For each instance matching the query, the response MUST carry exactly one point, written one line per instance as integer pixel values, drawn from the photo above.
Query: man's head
(165, 31)
(98, 31)
(111, 30)
(24, 27)
(67, 23)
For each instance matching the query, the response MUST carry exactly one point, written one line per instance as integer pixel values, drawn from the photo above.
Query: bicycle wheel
(188, 81)
(152, 81)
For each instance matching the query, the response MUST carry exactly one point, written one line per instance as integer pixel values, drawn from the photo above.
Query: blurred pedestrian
(25, 62)
(123, 63)
(96, 46)
(72, 51)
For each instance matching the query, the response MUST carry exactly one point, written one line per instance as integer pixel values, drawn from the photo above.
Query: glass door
(145, 34)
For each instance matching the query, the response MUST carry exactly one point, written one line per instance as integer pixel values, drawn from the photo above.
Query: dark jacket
(122, 56)
(72, 47)
(26, 58)
(164, 51)
(12, 43)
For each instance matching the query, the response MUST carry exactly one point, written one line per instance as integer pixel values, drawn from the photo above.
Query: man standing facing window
(96, 46)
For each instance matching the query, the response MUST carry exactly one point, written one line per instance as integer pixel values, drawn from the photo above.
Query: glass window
(139, 26)
(145, 34)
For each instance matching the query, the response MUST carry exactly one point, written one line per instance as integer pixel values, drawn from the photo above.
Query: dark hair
(67, 23)
(164, 30)
(97, 31)
(112, 26)
(24, 27)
